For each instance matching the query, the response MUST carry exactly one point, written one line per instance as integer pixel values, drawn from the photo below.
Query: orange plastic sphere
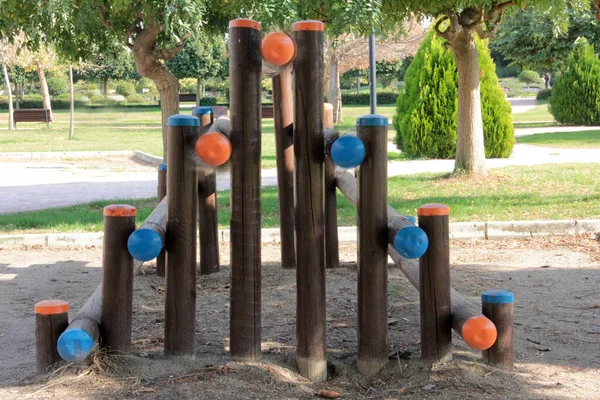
(479, 333)
(278, 48)
(213, 148)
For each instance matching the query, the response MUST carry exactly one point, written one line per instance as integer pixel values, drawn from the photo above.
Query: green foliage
(529, 77)
(364, 99)
(57, 86)
(201, 57)
(125, 88)
(426, 116)
(404, 64)
(208, 101)
(576, 95)
(544, 94)
(507, 72)
(136, 99)
(348, 78)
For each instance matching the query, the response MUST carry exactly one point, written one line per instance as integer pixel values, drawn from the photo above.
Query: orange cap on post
(47, 307)
(479, 333)
(213, 148)
(278, 48)
(119, 210)
(244, 23)
(308, 25)
(433, 210)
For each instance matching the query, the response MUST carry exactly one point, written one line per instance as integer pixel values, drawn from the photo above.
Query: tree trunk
(17, 95)
(11, 124)
(334, 94)
(470, 152)
(105, 87)
(72, 97)
(44, 88)
(198, 91)
(148, 64)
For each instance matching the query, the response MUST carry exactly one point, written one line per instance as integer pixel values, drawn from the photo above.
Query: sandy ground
(557, 330)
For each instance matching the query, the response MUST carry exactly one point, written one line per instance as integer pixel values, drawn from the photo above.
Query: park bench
(267, 111)
(187, 97)
(32, 115)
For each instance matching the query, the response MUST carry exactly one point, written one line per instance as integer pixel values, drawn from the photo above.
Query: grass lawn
(581, 139)
(566, 191)
(519, 89)
(538, 114)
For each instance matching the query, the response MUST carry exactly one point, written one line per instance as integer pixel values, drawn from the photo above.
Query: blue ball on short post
(411, 242)
(145, 244)
(348, 151)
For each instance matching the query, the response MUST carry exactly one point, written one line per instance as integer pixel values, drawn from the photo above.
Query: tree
(7, 54)
(116, 64)
(528, 38)
(529, 77)
(458, 23)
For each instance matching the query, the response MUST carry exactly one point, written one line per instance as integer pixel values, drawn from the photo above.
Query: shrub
(544, 94)
(57, 86)
(507, 72)
(364, 99)
(86, 87)
(136, 99)
(187, 85)
(529, 77)
(576, 95)
(125, 88)
(208, 101)
(426, 111)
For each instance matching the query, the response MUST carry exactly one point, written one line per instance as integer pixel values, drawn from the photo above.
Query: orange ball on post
(479, 333)
(213, 148)
(278, 48)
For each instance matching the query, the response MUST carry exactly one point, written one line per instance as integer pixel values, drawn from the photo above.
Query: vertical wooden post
(332, 251)
(117, 279)
(51, 319)
(372, 246)
(309, 192)
(498, 306)
(245, 64)
(208, 223)
(434, 285)
(182, 190)
(283, 115)
(161, 192)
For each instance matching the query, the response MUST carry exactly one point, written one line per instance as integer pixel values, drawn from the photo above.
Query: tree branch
(167, 54)
(104, 17)
(134, 27)
(446, 33)
(597, 13)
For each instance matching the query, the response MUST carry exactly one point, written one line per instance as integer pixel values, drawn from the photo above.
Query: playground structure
(308, 151)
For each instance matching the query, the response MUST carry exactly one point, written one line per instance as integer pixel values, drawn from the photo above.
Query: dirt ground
(557, 330)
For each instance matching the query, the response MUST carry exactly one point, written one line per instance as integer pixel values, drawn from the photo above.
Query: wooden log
(498, 305)
(434, 285)
(245, 64)
(117, 273)
(283, 109)
(182, 191)
(51, 319)
(208, 222)
(372, 247)
(160, 194)
(79, 339)
(309, 191)
(332, 250)
(463, 310)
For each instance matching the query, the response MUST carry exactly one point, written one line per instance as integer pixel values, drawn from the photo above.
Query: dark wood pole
(372, 246)
(434, 282)
(283, 115)
(309, 191)
(498, 305)
(332, 251)
(117, 275)
(161, 192)
(245, 64)
(182, 190)
(51, 319)
(208, 222)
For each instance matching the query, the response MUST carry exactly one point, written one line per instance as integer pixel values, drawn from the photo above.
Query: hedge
(364, 99)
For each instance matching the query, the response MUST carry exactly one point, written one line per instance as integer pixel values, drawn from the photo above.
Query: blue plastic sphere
(145, 244)
(348, 151)
(411, 242)
(74, 345)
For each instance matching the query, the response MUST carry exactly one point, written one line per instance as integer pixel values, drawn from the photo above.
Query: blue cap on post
(348, 151)
(372, 120)
(162, 166)
(202, 110)
(74, 345)
(183, 120)
(497, 296)
(145, 244)
(411, 242)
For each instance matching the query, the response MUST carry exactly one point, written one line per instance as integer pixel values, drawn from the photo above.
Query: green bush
(529, 77)
(544, 94)
(576, 95)
(125, 88)
(507, 72)
(208, 101)
(187, 85)
(136, 99)
(86, 87)
(427, 109)
(364, 99)
(57, 86)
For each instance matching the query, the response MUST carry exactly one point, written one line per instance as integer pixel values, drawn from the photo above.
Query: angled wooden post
(161, 192)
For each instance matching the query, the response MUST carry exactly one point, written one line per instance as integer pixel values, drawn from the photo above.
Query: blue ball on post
(145, 244)
(411, 242)
(348, 151)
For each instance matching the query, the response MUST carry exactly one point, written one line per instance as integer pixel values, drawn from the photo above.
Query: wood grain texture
(283, 113)
(48, 328)
(309, 192)
(332, 250)
(161, 193)
(501, 354)
(245, 65)
(180, 299)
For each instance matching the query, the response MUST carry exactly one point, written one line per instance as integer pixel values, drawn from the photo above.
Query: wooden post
(309, 192)
(332, 251)
(208, 222)
(283, 115)
(434, 280)
(117, 275)
(498, 305)
(161, 192)
(51, 319)
(182, 190)
(372, 246)
(245, 63)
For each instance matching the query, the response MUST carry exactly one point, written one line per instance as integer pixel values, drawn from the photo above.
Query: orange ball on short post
(213, 148)
(278, 48)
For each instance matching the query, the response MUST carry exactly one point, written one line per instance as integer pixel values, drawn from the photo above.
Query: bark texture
(11, 123)
(72, 99)
(334, 93)
(44, 88)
